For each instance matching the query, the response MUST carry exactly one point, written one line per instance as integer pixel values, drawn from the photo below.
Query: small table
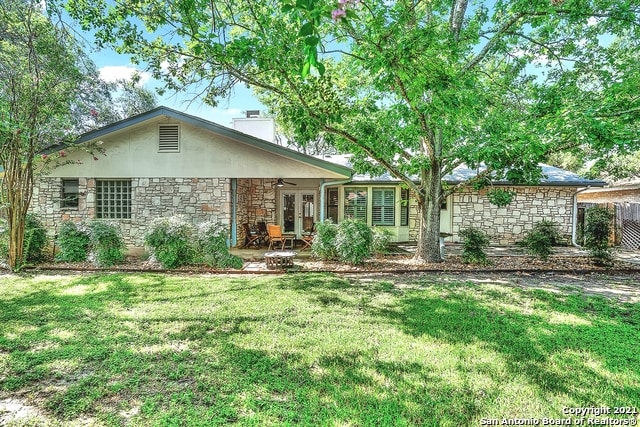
(279, 259)
(291, 237)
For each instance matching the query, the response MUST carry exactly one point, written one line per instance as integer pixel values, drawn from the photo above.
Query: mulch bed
(394, 263)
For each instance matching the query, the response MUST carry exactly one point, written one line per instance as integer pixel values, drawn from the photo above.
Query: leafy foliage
(474, 242)
(354, 241)
(380, 239)
(73, 242)
(212, 246)
(35, 239)
(597, 229)
(107, 243)
(170, 241)
(323, 245)
(541, 239)
(500, 197)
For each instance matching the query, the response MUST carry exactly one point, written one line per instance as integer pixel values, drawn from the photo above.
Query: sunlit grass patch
(311, 350)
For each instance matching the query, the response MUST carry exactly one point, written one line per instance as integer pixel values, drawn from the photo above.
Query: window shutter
(169, 139)
(383, 206)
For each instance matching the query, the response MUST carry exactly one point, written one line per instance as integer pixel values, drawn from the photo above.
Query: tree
(412, 87)
(39, 77)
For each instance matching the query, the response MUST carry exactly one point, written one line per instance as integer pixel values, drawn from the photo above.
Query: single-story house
(164, 162)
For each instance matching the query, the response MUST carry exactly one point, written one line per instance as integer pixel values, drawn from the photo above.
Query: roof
(212, 127)
(553, 176)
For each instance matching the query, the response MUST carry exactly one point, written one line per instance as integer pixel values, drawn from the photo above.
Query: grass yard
(308, 349)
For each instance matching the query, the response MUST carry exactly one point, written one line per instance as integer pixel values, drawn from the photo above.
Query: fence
(626, 230)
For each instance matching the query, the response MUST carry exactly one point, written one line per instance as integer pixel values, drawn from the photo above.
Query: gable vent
(169, 139)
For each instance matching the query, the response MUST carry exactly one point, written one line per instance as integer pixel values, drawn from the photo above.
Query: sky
(114, 66)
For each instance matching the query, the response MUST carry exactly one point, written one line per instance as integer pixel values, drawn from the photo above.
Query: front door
(298, 211)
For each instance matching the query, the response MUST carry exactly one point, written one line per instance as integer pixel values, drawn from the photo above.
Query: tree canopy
(413, 87)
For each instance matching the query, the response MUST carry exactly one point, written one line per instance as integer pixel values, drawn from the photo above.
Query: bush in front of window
(35, 239)
(380, 240)
(323, 246)
(107, 244)
(212, 246)
(540, 240)
(353, 241)
(474, 242)
(72, 242)
(169, 241)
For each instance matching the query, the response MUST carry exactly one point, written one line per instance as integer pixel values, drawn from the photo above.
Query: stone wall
(198, 199)
(509, 224)
(256, 202)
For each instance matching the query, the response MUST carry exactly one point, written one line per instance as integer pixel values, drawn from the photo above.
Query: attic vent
(169, 139)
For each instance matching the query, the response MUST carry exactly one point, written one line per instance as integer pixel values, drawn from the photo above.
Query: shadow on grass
(73, 349)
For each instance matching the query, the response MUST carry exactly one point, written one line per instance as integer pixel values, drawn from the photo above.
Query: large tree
(412, 87)
(39, 79)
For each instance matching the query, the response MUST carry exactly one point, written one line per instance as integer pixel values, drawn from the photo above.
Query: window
(382, 211)
(168, 138)
(70, 193)
(113, 199)
(404, 206)
(355, 203)
(332, 204)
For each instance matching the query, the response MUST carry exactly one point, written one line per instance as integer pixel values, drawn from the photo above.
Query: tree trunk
(16, 239)
(428, 249)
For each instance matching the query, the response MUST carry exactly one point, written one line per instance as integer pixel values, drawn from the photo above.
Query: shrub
(323, 245)
(106, 243)
(597, 228)
(540, 240)
(212, 246)
(169, 240)
(353, 241)
(73, 242)
(35, 239)
(474, 242)
(380, 240)
(4, 239)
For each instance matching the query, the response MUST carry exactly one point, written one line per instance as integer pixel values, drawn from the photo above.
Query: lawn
(309, 349)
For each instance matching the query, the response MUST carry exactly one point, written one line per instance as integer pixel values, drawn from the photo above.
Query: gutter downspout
(234, 211)
(574, 225)
(324, 185)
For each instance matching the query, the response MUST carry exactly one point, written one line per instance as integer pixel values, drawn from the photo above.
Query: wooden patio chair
(275, 236)
(307, 237)
(251, 238)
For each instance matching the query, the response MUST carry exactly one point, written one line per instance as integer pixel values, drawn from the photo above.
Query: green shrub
(107, 243)
(323, 245)
(474, 242)
(35, 239)
(597, 228)
(540, 240)
(353, 241)
(4, 239)
(169, 239)
(212, 246)
(380, 240)
(72, 242)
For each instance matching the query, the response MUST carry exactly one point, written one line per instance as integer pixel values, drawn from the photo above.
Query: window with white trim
(168, 138)
(383, 206)
(404, 207)
(355, 203)
(113, 199)
(70, 193)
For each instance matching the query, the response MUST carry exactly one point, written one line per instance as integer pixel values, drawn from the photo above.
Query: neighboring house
(164, 162)
(625, 197)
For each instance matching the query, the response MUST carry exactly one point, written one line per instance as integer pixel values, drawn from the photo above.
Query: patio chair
(262, 231)
(307, 237)
(251, 238)
(275, 236)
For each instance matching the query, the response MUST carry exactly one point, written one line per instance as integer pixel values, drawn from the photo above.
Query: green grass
(313, 349)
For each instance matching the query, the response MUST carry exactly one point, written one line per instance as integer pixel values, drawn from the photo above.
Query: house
(164, 162)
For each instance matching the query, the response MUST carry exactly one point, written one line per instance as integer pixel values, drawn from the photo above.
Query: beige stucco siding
(133, 152)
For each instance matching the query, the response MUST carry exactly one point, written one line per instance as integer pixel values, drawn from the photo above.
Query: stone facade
(509, 224)
(256, 202)
(198, 199)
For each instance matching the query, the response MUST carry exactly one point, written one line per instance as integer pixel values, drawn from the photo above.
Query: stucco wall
(509, 224)
(198, 199)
